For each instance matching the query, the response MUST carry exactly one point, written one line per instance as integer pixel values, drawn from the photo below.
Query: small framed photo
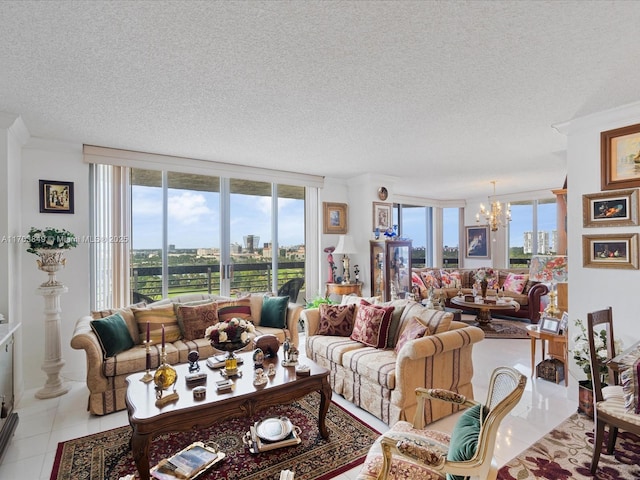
(477, 243)
(609, 209)
(610, 251)
(56, 196)
(619, 158)
(335, 218)
(550, 325)
(564, 322)
(382, 215)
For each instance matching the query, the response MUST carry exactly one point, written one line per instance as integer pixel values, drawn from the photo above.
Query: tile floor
(44, 423)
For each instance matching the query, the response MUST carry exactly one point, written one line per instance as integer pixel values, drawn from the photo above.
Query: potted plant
(583, 359)
(50, 244)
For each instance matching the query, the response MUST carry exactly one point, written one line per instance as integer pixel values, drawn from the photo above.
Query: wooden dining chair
(609, 400)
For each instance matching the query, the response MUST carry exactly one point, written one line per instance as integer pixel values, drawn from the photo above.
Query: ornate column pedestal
(53, 361)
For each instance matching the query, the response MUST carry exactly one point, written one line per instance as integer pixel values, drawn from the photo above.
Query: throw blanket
(629, 379)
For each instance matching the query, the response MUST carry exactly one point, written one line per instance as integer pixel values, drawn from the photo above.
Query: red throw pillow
(336, 319)
(372, 324)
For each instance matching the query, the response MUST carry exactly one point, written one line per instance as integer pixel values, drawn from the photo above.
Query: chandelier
(495, 216)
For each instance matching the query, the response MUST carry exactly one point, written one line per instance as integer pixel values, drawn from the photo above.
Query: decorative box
(551, 369)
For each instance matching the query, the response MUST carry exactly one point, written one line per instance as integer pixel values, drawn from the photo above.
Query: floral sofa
(184, 319)
(377, 363)
(449, 282)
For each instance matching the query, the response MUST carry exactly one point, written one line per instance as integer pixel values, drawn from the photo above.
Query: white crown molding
(15, 125)
(39, 143)
(623, 115)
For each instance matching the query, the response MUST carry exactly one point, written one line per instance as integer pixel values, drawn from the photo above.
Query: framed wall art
(382, 215)
(335, 218)
(56, 196)
(608, 209)
(620, 158)
(477, 243)
(610, 251)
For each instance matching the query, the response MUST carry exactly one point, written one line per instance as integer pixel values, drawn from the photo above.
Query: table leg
(140, 451)
(533, 357)
(325, 401)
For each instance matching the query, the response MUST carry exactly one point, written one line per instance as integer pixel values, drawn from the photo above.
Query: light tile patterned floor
(44, 423)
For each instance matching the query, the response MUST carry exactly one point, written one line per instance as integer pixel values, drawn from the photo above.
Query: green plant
(581, 350)
(316, 302)
(50, 238)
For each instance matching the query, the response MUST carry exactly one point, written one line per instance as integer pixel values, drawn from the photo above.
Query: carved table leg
(140, 451)
(325, 400)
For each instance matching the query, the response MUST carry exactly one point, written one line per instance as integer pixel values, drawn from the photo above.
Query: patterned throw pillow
(158, 316)
(431, 278)
(629, 379)
(371, 326)
(195, 319)
(450, 279)
(416, 281)
(336, 319)
(414, 329)
(493, 283)
(234, 308)
(515, 282)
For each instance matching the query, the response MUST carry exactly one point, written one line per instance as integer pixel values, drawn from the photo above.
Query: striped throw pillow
(158, 316)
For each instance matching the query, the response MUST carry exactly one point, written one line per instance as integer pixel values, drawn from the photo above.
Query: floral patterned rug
(565, 453)
(106, 455)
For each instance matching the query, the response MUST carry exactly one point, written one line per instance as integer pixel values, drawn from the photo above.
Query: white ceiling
(442, 93)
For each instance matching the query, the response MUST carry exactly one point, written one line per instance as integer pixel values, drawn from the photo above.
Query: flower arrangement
(581, 350)
(485, 275)
(232, 331)
(50, 238)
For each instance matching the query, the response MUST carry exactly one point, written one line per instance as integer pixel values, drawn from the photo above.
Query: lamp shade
(549, 268)
(345, 245)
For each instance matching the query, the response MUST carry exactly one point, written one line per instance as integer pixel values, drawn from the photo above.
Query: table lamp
(550, 269)
(345, 247)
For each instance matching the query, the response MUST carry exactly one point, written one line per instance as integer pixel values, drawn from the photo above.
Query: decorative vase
(483, 288)
(51, 260)
(165, 376)
(585, 397)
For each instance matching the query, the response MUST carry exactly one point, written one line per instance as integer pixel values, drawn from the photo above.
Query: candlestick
(147, 376)
(163, 336)
(148, 332)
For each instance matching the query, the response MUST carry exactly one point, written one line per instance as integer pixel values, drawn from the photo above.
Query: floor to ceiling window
(532, 230)
(450, 237)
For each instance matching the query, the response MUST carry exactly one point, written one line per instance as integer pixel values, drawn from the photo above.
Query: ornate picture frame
(609, 209)
(335, 218)
(56, 196)
(477, 244)
(610, 251)
(382, 216)
(620, 158)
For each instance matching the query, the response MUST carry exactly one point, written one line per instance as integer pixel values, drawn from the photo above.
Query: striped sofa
(383, 382)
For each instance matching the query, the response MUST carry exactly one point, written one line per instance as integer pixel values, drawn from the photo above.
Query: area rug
(565, 453)
(513, 329)
(106, 455)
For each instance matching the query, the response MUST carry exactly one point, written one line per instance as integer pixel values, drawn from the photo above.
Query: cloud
(189, 208)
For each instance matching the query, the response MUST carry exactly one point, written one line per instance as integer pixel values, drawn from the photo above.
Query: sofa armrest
(535, 294)
(311, 319)
(85, 339)
(431, 345)
(293, 315)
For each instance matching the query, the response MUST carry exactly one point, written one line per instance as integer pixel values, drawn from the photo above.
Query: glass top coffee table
(243, 399)
(483, 310)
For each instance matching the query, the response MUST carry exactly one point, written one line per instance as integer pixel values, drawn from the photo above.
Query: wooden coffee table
(244, 399)
(483, 315)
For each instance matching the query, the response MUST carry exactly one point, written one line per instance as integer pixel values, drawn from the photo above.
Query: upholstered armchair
(408, 451)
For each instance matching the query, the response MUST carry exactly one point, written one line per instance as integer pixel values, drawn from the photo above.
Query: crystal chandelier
(495, 217)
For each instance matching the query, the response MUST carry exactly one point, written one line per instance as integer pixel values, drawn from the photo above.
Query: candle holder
(147, 377)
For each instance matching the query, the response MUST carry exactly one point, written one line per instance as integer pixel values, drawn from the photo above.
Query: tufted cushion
(464, 437)
(431, 278)
(371, 325)
(274, 311)
(336, 319)
(157, 317)
(234, 308)
(515, 282)
(414, 329)
(112, 334)
(195, 319)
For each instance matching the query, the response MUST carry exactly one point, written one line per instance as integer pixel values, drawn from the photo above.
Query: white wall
(596, 288)
(63, 162)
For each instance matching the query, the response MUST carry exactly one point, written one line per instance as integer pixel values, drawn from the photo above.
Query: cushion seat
(135, 359)
(374, 364)
(332, 347)
(615, 406)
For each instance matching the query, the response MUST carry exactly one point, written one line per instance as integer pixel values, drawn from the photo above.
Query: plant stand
(53, 361)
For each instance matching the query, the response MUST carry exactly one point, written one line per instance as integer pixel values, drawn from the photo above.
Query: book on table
(188, 463)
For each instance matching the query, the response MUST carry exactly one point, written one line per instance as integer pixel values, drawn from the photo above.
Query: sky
(193, 219)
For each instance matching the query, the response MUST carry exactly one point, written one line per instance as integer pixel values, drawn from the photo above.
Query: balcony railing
(247, 277)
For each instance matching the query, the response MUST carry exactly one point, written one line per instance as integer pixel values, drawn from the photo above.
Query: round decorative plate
(274, 429)
(383, 193)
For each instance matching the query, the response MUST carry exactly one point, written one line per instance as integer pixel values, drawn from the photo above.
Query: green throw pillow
(274, 312)
(464, 438)
(113, 334)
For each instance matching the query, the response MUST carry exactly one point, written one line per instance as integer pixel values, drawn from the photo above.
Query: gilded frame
(382, 216)
(335, 218)
(610, 209)
(620, 158)
(610, 251)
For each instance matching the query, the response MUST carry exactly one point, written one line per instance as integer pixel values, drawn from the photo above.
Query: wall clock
(383, 193)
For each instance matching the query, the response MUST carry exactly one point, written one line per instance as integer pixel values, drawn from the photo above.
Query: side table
(343, 289)
(558, 348)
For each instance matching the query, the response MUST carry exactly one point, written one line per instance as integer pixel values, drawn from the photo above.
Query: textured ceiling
(442, 93)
